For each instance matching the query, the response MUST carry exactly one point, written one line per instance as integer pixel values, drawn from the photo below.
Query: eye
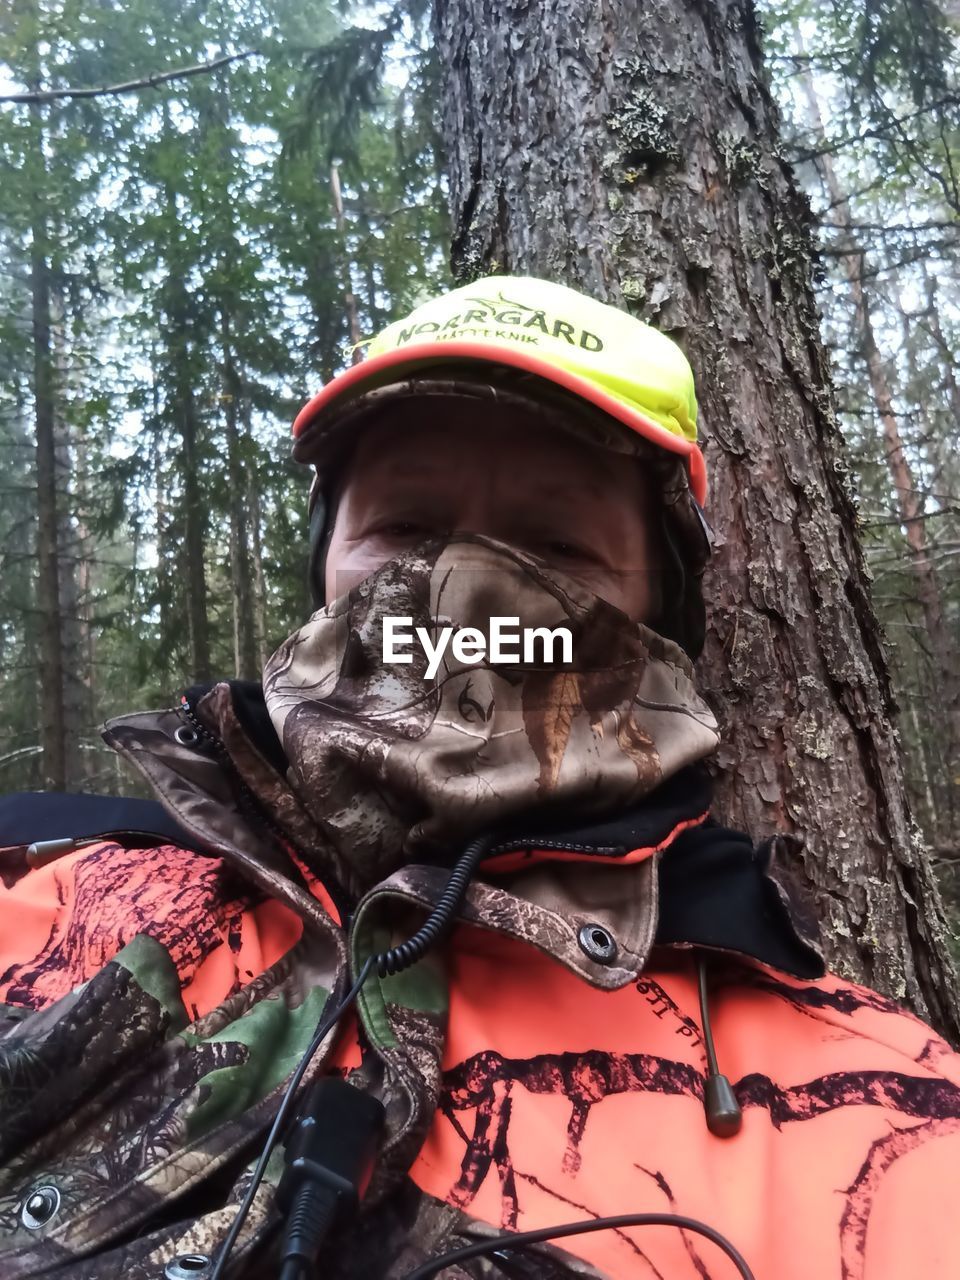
(561, 550)
(567, 550)
(402, 529)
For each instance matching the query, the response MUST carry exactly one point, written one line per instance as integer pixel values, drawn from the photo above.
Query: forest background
(183, 263)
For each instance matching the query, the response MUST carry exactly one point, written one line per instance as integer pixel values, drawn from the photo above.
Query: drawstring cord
(724, 1116)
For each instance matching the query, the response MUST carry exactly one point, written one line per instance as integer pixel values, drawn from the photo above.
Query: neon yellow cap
(594, 350)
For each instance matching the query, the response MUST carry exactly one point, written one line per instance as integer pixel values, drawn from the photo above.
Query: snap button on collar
(187, 1266)
(39, 1207)
(598, 943)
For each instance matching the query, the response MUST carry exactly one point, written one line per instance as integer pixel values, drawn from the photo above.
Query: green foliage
(899, 47)
(345, 80)
(199, 280)
(870, 94)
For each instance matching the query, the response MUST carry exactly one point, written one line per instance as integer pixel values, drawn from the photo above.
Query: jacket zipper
(534, 842)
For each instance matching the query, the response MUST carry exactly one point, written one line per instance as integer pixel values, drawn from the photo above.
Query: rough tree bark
(632, 150)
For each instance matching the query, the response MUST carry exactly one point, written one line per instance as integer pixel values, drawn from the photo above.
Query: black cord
(712, 1067)
(441, 917)
(386, 963)
(326, 1026)
(521, 1239)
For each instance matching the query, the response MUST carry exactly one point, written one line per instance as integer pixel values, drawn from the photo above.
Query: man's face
(464, 466)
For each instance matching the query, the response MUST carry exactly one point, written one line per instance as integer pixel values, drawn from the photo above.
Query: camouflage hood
(403, 760)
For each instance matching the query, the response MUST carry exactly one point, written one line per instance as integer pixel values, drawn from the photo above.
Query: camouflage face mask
(404, 761)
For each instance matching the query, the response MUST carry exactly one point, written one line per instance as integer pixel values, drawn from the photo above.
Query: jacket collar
(662, 873)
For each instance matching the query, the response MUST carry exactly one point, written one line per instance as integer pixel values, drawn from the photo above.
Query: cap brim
(391, 366)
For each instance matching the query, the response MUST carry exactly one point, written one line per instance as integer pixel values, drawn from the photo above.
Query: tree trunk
(194, 542)
(166, 574)
(633, 151)
(349, 296)
(52, 736)
(948, 471)
(194, 520)
(935, 689)
(72, 568)
(184, 412)
(920, 755)
(216, 123)
(244, 634)
(256, 552)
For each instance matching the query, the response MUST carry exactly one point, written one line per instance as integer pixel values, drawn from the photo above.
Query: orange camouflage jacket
(159, 981)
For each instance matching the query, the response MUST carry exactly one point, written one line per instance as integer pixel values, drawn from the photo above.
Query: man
(628, 1016)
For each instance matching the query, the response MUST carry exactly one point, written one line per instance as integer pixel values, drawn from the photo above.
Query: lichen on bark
(633, 151)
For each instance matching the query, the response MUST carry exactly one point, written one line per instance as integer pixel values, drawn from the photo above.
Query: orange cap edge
(419, 352)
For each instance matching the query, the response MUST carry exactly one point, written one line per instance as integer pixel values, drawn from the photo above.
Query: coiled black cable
(441, 917)
(519, 1240)
(386, 963)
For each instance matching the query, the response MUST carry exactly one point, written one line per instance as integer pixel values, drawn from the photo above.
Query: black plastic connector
(329, 1158)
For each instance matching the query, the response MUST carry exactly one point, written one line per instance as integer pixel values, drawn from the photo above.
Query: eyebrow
(410, 466)
(407, 471)
(541, 489)
(577, 489)
(423, 466)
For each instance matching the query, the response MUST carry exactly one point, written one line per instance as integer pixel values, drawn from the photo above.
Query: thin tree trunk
(632, 150)
(368, 267)
(73, 572)
(349, 297)
(244, 639)
(44, 389)
(166, 585)
(194, 579)
(85, 586)
(939, 748)
(947, 358)
(920, 756)
(256, 551)
(194, 522)
(215, 119)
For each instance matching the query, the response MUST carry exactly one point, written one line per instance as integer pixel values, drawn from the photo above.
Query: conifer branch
(129, 86)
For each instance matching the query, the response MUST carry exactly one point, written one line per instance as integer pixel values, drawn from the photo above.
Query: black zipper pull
(43, 851)
(724, 1116)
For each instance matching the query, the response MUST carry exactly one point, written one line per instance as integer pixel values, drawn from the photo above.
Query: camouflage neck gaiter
(400, 761)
